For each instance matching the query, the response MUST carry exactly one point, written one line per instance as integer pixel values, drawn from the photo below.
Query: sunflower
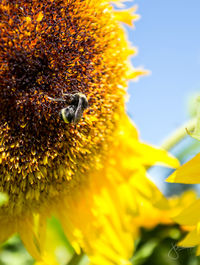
(67, 146)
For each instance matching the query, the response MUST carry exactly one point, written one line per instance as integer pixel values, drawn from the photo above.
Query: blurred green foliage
(159, 247)
(12, 252)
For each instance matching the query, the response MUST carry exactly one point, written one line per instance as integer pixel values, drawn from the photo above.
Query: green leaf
(196, 133)
(145, 251)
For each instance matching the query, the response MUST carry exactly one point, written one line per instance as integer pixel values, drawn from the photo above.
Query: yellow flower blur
(89, 173)
(166, 210)
(189, 173)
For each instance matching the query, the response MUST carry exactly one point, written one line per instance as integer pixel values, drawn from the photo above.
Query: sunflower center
(25, 70)
(51, 49)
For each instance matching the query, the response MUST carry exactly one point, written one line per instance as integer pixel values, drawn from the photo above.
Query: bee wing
(56, 99)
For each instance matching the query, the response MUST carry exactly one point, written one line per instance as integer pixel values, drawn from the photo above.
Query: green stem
(76, 259)
(178, 135)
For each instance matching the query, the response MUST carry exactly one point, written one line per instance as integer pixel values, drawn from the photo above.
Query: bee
(76, 106)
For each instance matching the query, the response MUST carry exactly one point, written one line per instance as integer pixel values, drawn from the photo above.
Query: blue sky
(168, 39)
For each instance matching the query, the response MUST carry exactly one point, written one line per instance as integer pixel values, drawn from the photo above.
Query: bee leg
(82, 105)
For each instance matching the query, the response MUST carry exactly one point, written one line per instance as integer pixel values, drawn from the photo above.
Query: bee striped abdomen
(74, 112)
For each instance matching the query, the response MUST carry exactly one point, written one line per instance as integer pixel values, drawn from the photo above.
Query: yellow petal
(46, 260)
(198, 250)
(189, 173)
(127, 15)
(7, 228)
(29, 237)
(151, 156)
(190, 215)
(191, 240)
(135, 73)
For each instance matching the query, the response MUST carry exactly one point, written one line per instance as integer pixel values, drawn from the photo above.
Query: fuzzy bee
(76, 106)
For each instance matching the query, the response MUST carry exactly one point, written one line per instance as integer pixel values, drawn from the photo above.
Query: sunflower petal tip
(172, 161)
(127, 16)
(134, 74)
(169, 160)
(171, 178)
